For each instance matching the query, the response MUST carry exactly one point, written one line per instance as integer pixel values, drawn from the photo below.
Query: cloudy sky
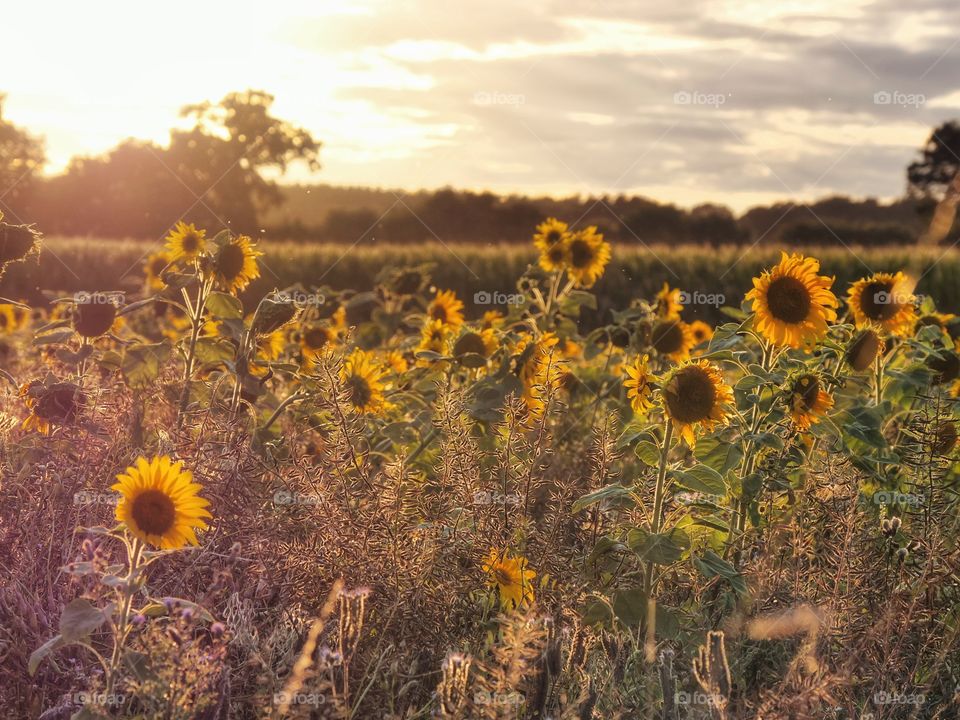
(739, 101)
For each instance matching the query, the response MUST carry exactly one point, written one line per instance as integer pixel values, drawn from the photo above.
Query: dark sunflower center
(581, 254)
(946, 438)
(3, 322)
(555, 254)
(470, 343)
(438, 312)
(863, 350)
(191, 242)
(158, 265)
(788, 300)
(360, 393)
(945, 368)
(807, 388)
(554, 236)
(59, 403)
(692, 395)
(877, 301)
(94, 318)
(154, 512)
(315, 338)
(503, 576)
(230, 261)
(667, 337)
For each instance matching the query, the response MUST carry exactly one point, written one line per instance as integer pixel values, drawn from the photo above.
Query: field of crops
(572, 480)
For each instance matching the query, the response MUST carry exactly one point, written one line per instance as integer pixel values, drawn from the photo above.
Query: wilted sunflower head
(54, 404)
(791, 303)
(482, 343)
(695, 394)
(864, 349)
(672, 339)
(185, 242)
(16, 242)
(884, 300)
(159, 503)
(94, 314)
(587, 256)
(446, 308)
(235, 264)
(362, 377)
(945, 366)
(808, 400)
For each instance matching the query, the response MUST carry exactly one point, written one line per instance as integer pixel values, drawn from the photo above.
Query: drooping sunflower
(808, 400)
(94, 314)
(49, 405)
(154, 266)
(884, 300)
(235, 264)
(864, 349)
(159, 503)
(587, 256)
(511, 577)
(792, 304)
(362, 375)
(944, 321)
(944, 438)
(552, 240)
(672, 339)
(701, 332)
(446, 308)
(185, 242)
(639, 385)
(695, 395)
(668, 303)
(476, 342)
(945, 366)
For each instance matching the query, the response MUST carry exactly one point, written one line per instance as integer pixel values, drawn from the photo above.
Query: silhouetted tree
(714, 225)
(21, 156)
(939, 162)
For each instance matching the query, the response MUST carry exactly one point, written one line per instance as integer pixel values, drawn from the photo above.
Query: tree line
(217, 172)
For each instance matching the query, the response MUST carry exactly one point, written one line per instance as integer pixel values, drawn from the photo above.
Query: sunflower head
(701, 332)
(362, 377)
(541, 369)
(886, 301)
(51, 404)
(945, 366)
(12, 318)
(944, 438)
(791, 303)
(587, 256)
(185, 242)
(695, 395)
(446, 308)
(476, 342)
(552, 239)
(94, 314)
(672, 339)
(434, 337)
(668, 303)
(16, 242)
(235, 264)
(639, 385)
(315, 340)
(865, 347)
(155, 265)
(808, 400)
(159, 503)
(511, 577)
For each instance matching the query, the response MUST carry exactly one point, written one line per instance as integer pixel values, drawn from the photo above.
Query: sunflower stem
(656, 525)
(123, 620)
(196, 325)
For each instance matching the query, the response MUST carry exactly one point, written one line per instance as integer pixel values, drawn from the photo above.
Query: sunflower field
(393, 503)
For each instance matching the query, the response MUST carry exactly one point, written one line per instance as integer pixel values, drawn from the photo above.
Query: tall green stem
(656, 525)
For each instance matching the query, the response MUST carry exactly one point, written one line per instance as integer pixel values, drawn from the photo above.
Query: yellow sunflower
(668, 305)
(696, 395)
(639, 385)
(511, 577)
(541, 371)
(12, 318)
(159, 503)
(884, 300)
(701, 332)
(491, 319)
(587, 256)
(362, 375)
(185, 242)
(235, 264)
(863, 349)
(156, 264)
(435, 337)
(942, 320)
(808, 401)
(271, 345)
(672, 339)
(314, 341)
(552, 239)
(792, 304)
(395, 360)
(446, 308)
(476, 342)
